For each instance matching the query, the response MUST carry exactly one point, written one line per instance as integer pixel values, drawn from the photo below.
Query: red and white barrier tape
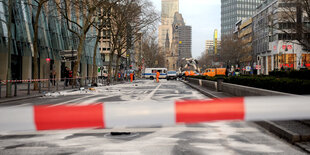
(141, 114)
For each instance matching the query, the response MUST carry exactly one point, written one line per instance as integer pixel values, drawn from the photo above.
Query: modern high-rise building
(185, 42)
(168, 10)
(235, 10)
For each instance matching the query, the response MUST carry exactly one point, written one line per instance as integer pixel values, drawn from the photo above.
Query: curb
(282, 132)
(200, 89)
(12, 99)
(19, 98)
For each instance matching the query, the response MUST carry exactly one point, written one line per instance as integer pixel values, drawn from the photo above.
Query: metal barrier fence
(46, 84)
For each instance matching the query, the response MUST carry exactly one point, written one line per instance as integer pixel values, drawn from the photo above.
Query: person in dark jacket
(67, 76)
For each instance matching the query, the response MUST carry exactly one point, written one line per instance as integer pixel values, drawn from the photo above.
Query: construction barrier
(143, 114)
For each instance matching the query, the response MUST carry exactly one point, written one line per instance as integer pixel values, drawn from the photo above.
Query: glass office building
(235, 10)
(54, 38)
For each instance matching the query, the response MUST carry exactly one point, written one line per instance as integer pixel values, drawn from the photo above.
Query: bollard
(220, 84)
(73, 82)
(15, 88)
(28, 91)
(39, 86)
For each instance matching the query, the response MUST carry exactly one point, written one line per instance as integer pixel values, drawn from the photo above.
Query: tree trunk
(8, 76)
(94, 58)
(35, 47)
(117, 67)
(110, 66)
(79, 54)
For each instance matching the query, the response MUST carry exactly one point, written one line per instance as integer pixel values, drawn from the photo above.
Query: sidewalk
(22, 90)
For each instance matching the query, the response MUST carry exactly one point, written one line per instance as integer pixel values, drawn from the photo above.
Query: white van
(150, 73)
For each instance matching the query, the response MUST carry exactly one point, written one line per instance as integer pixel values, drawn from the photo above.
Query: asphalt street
(219, 138)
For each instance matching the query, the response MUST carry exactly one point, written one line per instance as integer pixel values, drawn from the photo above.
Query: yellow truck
(215, 71)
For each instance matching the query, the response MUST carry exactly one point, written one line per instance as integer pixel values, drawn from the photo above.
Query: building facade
(209, 43)
(168, 10)
(181, 44)
(185, 42)
(235, 10)
(57, 46)
(244, 34)
(273, 48)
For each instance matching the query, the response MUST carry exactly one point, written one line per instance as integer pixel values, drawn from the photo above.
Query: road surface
(205, 138)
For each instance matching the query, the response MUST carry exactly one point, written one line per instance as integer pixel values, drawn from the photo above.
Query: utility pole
(9, 73)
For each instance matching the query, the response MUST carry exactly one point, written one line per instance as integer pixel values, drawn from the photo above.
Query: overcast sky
(204, 16)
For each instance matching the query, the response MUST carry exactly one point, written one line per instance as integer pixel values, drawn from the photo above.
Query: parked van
(150, 73)
(215, 71)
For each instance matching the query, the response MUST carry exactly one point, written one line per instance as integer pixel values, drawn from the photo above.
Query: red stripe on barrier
(202, 111)
(68, 117)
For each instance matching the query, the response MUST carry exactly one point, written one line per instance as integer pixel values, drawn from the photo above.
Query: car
(172, 75)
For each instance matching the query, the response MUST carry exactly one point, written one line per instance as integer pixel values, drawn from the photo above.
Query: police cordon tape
(144, 114)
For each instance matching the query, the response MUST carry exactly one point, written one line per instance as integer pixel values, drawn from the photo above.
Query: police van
(150, 73)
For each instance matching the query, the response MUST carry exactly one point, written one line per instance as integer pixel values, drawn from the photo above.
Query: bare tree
(293, 21)
(101, 24)
(9, 4)
(231, 50)
(151, 52)
(39, 5)
(84, 11)
(129, 19)
(205, 60)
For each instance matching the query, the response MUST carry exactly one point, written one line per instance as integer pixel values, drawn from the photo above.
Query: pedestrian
(70, 77)
(157, 76)
(66, 76)
(131, 77)
(53, 77)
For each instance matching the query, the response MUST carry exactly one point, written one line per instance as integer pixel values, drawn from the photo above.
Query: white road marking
(152, 93)
(72, 101)
(20, 105)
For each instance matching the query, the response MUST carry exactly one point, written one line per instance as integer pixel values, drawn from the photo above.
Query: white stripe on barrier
(21, 118)
(277, 108)
(140, 114)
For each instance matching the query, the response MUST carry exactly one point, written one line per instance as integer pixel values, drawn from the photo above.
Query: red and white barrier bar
(142, 114)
